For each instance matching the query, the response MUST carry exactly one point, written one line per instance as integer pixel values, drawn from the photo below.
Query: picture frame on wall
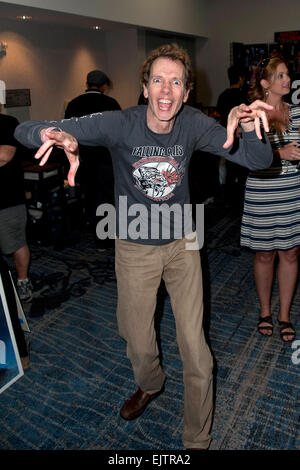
(18, 97)
(10, 363)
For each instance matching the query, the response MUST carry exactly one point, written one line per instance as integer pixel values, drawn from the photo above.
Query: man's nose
(166, 86)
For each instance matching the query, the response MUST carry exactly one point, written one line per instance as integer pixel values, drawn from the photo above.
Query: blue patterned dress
(271, 217)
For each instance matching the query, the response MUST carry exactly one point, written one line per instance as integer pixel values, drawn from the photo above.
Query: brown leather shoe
(136, 404)
(25, 362)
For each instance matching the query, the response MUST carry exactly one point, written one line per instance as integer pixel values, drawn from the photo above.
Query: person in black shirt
(93, 100)
(96, 174)
(13, 217)
(13, 214)
(232, 96)
(229, 98)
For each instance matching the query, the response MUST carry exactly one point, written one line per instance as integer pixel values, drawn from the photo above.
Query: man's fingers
(43, 149)
(264, 120)
(74, 165)
(62, 140)
(45, 157)
(54, 135)
(244, 109)
(72, 172)
(71, 178)
(257, 127)
(228, 142)
(256, 112)
(230, 136)
(258, 104)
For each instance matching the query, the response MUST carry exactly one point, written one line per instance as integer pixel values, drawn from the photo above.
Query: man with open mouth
(159, 139)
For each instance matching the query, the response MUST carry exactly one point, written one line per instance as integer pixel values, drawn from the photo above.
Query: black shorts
(12, 229)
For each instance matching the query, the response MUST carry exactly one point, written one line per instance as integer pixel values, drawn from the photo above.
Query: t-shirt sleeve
(98, 129)
(247, 151)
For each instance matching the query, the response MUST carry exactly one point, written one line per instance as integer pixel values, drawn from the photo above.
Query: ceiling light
(24, 17)
(96, 28)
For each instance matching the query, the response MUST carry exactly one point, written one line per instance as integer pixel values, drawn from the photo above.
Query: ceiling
(10, 11)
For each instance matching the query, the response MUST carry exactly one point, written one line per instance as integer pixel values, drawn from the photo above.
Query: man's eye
(156, 80)
(177, 82)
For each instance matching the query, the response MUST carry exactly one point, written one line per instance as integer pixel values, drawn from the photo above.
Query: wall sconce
(3, 47)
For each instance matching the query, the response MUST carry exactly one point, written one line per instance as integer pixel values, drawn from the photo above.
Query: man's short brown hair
(173, 52)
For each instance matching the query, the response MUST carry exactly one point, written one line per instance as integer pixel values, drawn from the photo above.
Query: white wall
(53, 61)
(122, 56)
(181, 16)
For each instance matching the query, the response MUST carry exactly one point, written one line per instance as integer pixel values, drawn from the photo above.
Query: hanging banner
(287, 36)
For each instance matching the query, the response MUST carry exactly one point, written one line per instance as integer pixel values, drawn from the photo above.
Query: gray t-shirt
(151, 170)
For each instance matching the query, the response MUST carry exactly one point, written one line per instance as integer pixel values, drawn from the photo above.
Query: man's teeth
(164, 104)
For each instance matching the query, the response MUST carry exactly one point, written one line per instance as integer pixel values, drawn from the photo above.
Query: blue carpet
(79, 375)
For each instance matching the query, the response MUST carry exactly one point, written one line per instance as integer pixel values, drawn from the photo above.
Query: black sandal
(260, 328)
(284, 325)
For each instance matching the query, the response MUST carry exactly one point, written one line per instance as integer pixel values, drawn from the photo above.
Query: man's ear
(185, 98)
(145, 91)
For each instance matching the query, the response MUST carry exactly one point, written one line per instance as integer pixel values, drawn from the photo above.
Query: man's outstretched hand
(67, 142)
(250, 118)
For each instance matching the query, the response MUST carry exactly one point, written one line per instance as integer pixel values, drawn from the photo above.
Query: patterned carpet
(79, 375)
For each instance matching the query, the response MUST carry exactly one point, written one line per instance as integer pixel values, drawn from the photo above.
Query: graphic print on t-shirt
(157, 174)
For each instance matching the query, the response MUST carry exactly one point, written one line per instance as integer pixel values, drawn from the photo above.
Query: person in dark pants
(233, 96)
(13, 212)
(96, 174)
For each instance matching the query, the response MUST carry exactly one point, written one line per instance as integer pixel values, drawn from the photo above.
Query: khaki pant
(139, 269)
